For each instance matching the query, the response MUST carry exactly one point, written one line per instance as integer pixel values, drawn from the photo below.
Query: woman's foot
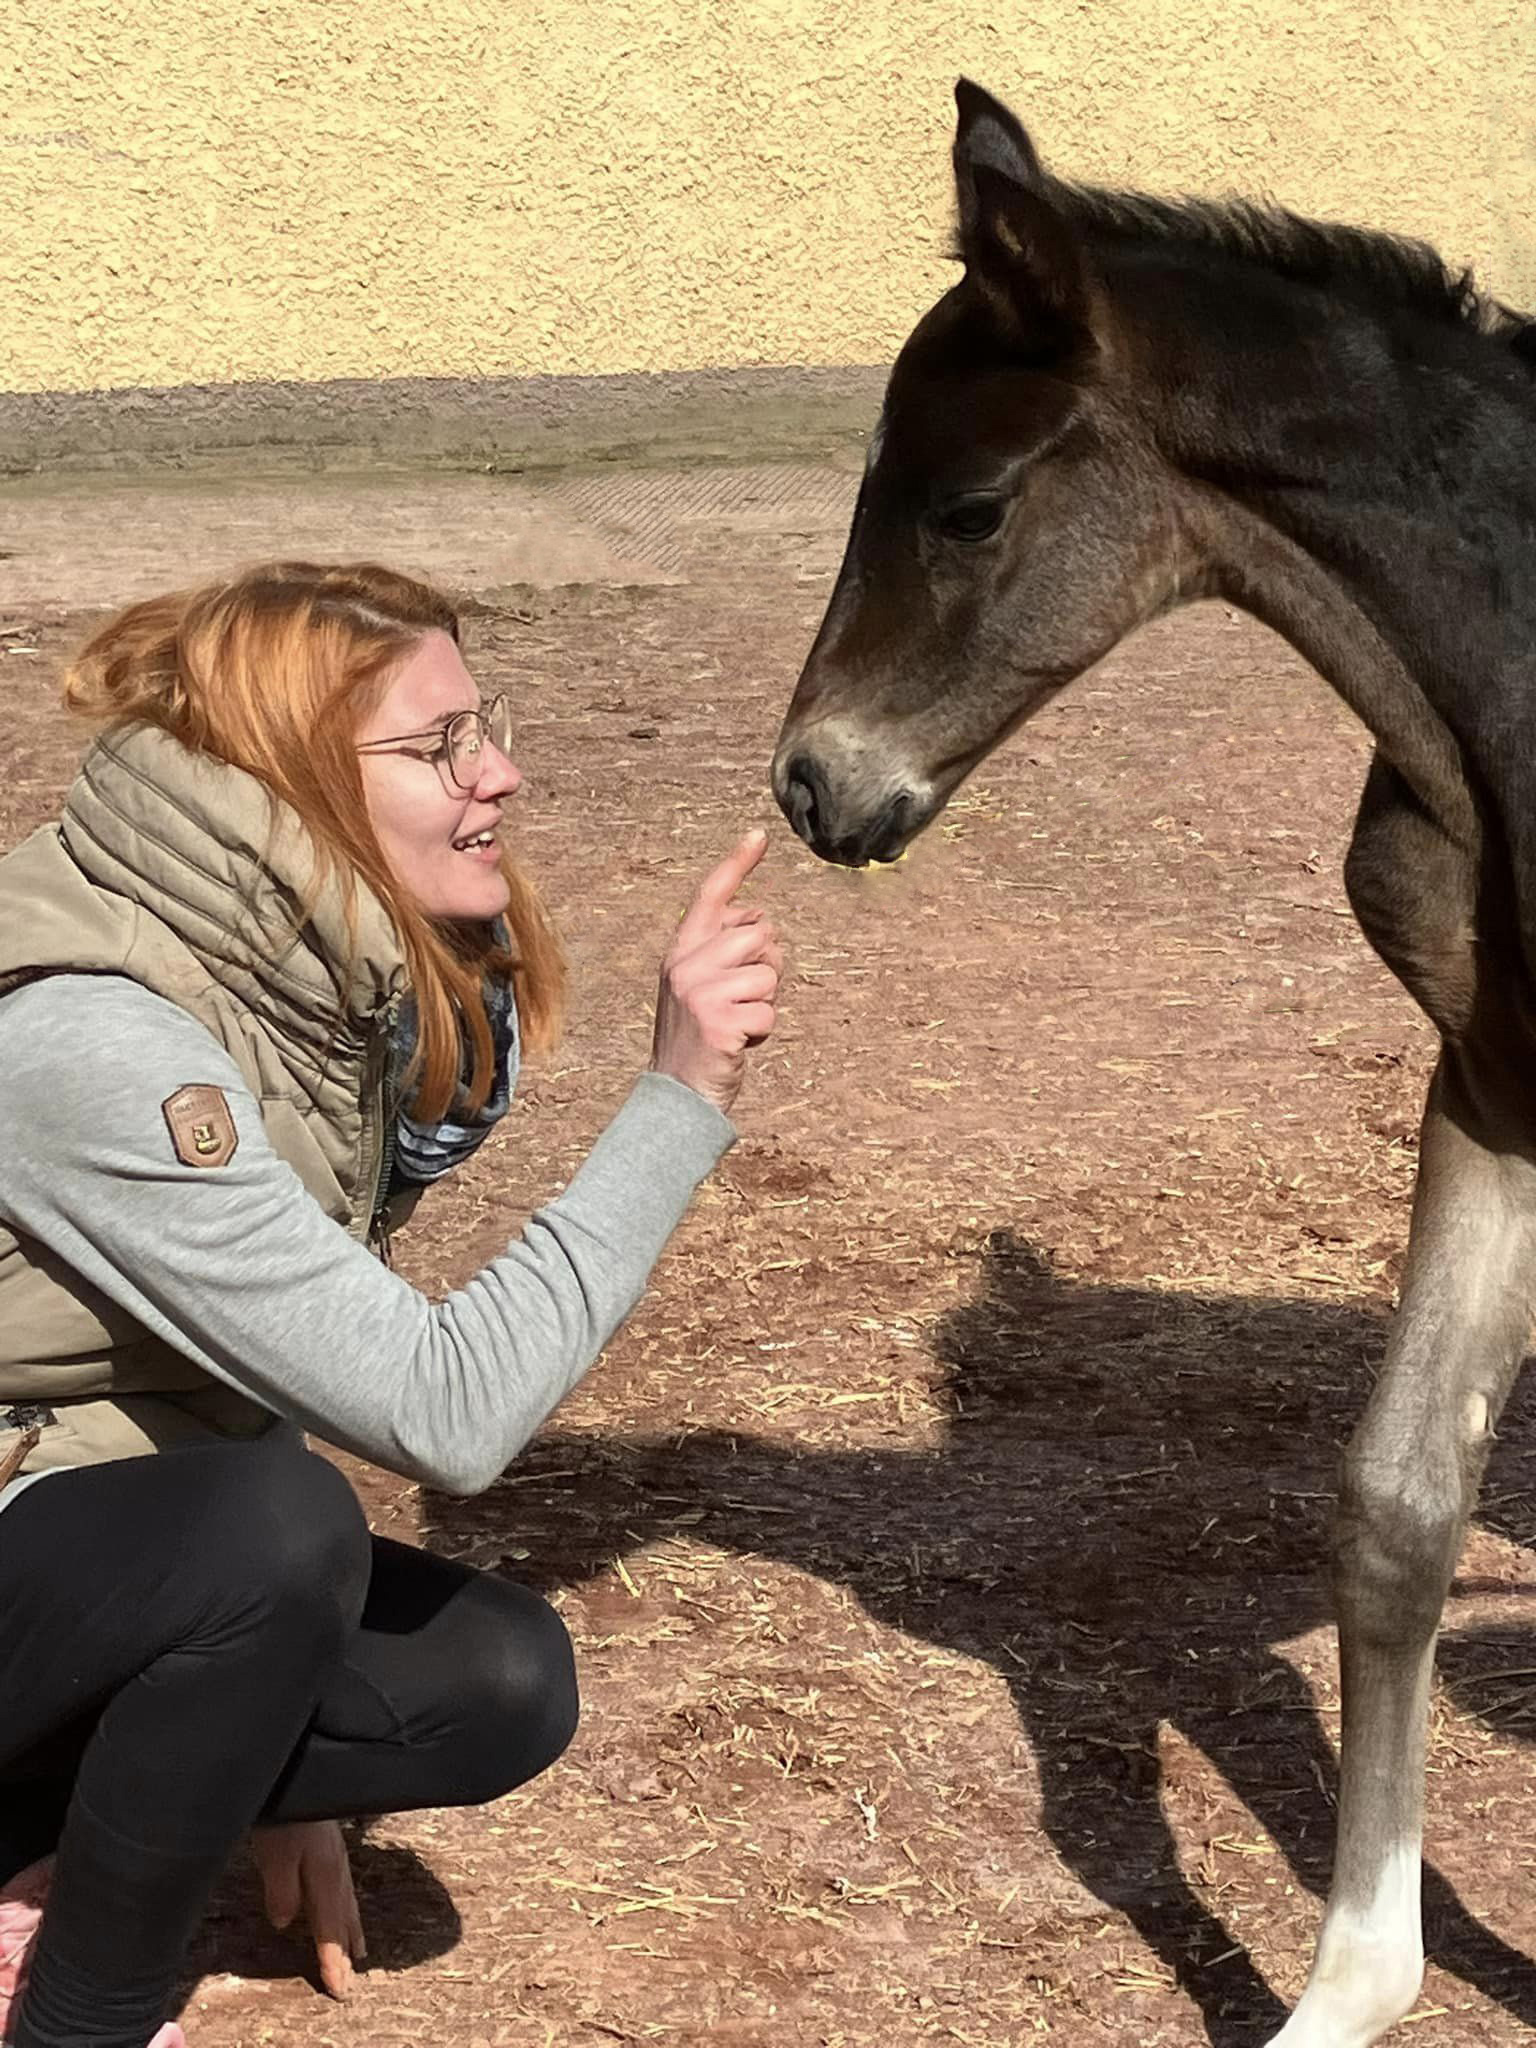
(21, 1908)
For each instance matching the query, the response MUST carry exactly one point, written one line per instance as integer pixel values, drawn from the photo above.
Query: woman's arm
(238, 1268)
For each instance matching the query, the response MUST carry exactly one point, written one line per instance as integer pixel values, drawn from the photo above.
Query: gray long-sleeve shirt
(242, 1271)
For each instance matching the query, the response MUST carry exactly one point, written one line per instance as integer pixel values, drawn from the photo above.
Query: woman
(266, 980)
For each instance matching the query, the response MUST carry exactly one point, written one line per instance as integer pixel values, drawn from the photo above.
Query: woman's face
(432, 832)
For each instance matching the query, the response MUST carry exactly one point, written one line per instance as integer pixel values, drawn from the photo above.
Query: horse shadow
(1128, 1514)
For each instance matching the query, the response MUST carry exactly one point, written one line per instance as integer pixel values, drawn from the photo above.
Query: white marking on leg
(1370, 1964)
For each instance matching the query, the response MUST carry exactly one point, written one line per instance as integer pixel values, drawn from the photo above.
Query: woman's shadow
(407, 1912)
(1128, 1513)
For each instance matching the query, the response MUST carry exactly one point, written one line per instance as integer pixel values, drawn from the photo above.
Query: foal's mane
(1389, 271)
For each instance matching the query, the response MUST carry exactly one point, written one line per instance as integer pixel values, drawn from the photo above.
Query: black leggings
(194, 1642)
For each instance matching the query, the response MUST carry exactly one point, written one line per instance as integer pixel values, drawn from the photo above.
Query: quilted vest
(184, 874)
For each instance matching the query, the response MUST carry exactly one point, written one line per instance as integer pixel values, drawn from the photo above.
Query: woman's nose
(499, 774)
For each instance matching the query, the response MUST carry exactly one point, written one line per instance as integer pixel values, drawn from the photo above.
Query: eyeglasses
(457, 745)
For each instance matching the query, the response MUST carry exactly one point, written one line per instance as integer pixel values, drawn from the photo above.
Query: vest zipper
(378, 1229)
(378, 1218)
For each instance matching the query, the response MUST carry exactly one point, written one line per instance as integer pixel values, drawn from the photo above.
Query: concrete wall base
(499, 423)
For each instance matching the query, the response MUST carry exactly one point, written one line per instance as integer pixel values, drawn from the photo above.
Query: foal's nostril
(803, 799)
(894, 827)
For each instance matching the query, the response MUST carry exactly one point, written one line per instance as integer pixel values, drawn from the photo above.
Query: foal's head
(1084, 431)
(1014, 520)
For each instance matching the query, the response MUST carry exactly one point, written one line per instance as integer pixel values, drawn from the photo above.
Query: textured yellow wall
(197, 191)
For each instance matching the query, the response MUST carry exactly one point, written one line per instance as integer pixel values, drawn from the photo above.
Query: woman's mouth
(481, 845)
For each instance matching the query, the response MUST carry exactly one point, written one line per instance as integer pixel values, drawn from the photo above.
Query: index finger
(722, 882)
(335, 1966)
(331, 1914)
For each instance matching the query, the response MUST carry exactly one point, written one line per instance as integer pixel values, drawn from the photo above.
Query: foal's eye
(970, 518)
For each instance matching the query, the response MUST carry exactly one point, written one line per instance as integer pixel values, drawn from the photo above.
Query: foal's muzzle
(837, 828)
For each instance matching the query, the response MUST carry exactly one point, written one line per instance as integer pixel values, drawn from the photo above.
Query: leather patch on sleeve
(202, 1126)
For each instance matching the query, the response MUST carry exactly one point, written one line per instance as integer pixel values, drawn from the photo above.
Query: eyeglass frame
(487, 717)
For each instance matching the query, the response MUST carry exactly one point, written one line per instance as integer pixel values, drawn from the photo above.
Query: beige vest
(182, 873)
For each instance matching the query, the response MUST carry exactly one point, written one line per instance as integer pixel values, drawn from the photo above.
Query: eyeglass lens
(467, 736)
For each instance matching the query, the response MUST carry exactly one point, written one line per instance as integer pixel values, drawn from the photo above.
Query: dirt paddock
(944, 1539)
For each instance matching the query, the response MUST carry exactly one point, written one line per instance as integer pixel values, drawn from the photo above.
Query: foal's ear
(1016, 242)
(990, 133)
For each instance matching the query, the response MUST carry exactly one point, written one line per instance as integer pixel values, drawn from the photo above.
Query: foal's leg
(1409, 1482)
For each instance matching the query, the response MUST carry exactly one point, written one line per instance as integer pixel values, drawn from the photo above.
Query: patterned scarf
(424, 1152)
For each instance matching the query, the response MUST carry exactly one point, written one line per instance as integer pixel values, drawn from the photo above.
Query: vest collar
(209, 852)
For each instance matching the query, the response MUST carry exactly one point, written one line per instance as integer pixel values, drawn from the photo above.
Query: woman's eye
(971, 518)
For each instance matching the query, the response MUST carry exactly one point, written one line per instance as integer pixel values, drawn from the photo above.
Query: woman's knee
(516, 1692)
(289, 1541)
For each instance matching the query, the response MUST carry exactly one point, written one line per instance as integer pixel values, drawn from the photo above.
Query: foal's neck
(1370, 493)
